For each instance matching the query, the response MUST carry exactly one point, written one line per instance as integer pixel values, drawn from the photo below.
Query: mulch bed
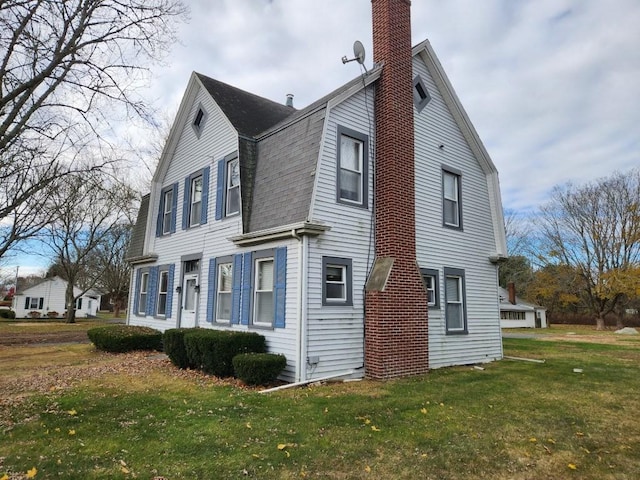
(31, 338)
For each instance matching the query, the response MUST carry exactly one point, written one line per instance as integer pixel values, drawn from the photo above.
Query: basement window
(421, 95)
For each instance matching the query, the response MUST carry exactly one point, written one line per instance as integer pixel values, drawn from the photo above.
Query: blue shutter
(152, 290)
(220, 189)
(172, 269)
(280, 286)
(247, 282)
(211, 290)
(236, 288)
(174, 207)
(136, 293)
(186, 202)
(160, 212)
(204, 215)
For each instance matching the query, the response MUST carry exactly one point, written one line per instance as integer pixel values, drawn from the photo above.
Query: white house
(516, 313)
(49, 296)
(326, 229)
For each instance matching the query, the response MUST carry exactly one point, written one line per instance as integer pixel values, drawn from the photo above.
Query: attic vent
(420, 94)
(199, 120)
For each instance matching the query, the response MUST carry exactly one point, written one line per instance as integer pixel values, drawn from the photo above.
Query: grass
(512, 420)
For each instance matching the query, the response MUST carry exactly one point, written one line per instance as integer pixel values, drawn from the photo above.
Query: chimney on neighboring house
(396, 336)
(511, 288)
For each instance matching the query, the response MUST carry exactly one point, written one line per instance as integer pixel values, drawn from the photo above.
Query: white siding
(335, 334)
(468, 249)
(53, 294)
(211, 240)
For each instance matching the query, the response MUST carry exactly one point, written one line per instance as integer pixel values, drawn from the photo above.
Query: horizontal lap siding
(439, 247)
(335, 334)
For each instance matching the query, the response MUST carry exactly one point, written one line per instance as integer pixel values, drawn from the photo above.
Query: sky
(551, 86)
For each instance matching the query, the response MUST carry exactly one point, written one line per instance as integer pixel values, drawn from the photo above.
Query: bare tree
(88, 209)
(596, 230)
(68, 70)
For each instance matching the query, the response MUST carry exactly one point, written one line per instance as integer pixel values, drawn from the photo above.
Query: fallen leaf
(282, 446)
(123, 463)
(374, 428)
(547, 449)
(587, 451)
(124, 470)
(579, 434)
(367, 421)
(72, 412)
(572, 466)
(32, 473)
(551, 440)
(423, 410)
(533, 439)
(367, 469)
(4, 477)
(72, 432)
(248, 425)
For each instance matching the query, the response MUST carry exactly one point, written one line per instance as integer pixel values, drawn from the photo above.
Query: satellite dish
(358, 51)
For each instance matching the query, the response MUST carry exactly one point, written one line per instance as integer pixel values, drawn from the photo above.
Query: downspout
(301, 364)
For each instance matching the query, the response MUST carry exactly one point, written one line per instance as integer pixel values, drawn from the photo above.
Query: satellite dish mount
(358, 53)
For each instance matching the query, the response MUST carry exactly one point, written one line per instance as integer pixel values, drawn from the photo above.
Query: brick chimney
(396, 336)
(511, 288)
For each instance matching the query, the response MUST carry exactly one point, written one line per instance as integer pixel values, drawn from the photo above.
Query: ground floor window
(263, 311)
(34, 303)
(223, 294)
(513, 315)
(337, 281)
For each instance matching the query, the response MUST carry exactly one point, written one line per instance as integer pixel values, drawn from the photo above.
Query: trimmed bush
(213, 350)
(175, 348)
(7, 313)
(125, 338)
(258, 368)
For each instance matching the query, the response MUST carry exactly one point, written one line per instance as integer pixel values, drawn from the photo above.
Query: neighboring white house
(49, 296)
(516, 313)
(260, 218)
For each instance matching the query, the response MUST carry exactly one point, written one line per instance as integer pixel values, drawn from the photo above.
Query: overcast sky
(551, 86)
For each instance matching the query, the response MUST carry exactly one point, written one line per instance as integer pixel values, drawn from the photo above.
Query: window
(336, 281)
(233, 187)
(196, 195)
(512, 315)
(34, 303)
(142, 295)
(451, 208)
(421, 95)
(199, 120)
(263, 311)
(167, 211)
(223, 294)
(163, 288)
(195, 211)
(79, 304)
(352, 186)
(432, 285)
(455, 310)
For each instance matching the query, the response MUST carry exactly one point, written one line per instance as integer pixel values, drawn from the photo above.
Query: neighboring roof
(136, 244)
(250, 114)
(520, 306)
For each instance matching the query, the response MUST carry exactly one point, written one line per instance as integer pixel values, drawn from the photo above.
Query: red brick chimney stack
(511, 288)
(396, 336)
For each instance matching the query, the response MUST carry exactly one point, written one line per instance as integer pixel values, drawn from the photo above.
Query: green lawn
(512, 420)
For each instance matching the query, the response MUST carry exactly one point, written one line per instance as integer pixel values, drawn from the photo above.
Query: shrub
(35, 314)
(175, 348)
(125, 338)
(52, 314)
(213, 350)
(7, 313)
(258, 368)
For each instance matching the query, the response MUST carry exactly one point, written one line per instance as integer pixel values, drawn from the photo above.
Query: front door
(189, 300)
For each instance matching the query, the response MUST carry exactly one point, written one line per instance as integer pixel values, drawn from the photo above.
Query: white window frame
(359, 171)
(451, 199)
(220, 292)
(352, 137)
(256, 291)
(144, 287)
(167, 211)
(231, 189)
(37, 302)
(162, 274)
(194, 221)
(342, 282)
(431, 279)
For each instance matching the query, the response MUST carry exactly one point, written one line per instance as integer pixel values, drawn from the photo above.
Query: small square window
(421, 95)
(336, 281)
(199, 120)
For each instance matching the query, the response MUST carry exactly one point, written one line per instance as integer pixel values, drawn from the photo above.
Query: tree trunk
(117, 306)
(619, 321)
(71, 304)
(600, 322)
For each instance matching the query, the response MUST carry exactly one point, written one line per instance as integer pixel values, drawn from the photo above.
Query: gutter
(278, 233)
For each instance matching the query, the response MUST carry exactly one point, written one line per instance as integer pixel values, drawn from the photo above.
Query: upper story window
(455, 302)
(336, 281)
(432, 285)
(352, 167)
(228, 197)
(451, 195)
(421, 95)
(167, 210)
(195, 208)
(199, 119)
